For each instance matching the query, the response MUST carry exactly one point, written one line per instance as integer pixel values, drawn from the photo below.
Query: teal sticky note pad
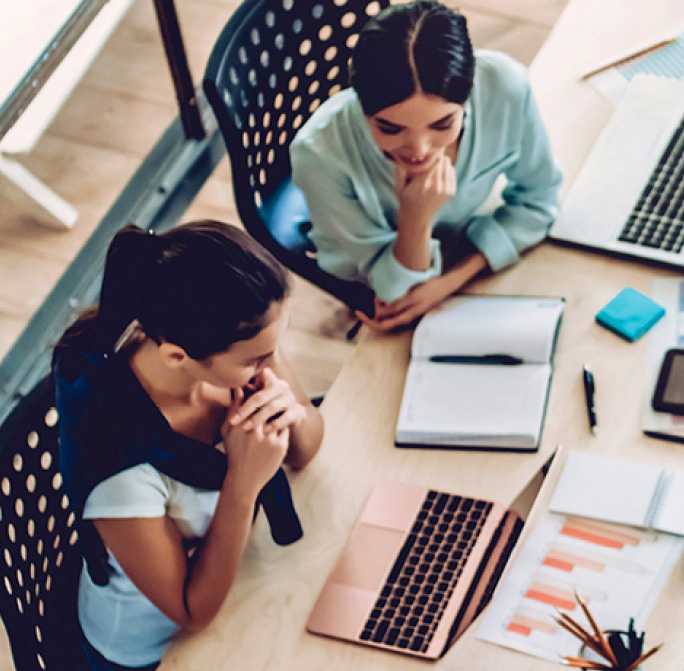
(630, 314)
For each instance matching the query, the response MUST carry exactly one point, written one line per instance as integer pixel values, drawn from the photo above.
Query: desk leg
(33, 197)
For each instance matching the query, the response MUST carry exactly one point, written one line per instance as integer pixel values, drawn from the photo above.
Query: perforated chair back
(41, 557)
(274, 63)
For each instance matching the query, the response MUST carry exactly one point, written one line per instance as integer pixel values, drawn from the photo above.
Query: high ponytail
(129, 270)
(202, 285)
(129, 262)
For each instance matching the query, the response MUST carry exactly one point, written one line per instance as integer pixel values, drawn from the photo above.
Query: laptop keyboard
(426, 571)
(657, 220)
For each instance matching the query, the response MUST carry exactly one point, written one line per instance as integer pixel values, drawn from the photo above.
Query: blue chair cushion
(286, 215)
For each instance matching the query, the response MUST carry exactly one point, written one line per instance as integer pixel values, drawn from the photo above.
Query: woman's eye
(389, 131)
(443, 126)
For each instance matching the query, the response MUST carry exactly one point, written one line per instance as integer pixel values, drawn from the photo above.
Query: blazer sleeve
(530, 201)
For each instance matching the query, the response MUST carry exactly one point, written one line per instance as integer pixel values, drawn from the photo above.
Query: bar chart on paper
(664, 61)
(617, 570)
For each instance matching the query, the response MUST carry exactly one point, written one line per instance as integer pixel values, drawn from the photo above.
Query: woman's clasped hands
(272, 406)
(409, 308)
(256, 430)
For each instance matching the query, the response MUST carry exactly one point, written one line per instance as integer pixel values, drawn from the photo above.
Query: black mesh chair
(41, 558)
(272, 66)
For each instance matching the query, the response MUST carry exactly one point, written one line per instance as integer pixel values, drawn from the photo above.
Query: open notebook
(479, 373)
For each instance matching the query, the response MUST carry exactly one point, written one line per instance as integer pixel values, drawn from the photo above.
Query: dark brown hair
(412, 48)
(202, 285)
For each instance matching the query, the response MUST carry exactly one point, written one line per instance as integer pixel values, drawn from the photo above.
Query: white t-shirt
(117, 619)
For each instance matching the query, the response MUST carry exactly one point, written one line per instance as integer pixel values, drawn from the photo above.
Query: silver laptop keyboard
(426, 571)
(657, 220)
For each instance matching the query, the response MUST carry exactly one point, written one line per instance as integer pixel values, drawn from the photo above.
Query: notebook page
(606, 489)
(520, 326)
(469, 403)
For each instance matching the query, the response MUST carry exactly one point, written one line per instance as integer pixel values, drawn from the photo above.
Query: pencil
(588, 663)
(576, 630)
(643, 657)
(571, 623)
(641, 52)
(603, 641)
(589, 642)
(585, 664)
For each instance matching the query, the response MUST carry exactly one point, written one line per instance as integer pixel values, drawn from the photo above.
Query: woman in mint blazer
(396, 168)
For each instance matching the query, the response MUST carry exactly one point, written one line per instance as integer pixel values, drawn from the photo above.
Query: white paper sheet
(617, 570)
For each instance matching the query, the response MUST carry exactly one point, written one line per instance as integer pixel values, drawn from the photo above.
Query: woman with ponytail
(176, 408)
(396, 169)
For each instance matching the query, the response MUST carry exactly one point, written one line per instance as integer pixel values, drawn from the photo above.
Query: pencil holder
(604, 649)
(619, 640)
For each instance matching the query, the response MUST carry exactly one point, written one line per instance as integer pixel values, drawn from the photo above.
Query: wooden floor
(115, 116)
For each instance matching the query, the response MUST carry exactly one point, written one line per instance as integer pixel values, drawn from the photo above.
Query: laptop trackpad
(367, 557)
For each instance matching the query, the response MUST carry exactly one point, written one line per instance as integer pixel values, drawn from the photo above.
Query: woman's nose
(419, 146)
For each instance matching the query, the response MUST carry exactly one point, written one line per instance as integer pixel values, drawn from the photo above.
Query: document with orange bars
(618, 570)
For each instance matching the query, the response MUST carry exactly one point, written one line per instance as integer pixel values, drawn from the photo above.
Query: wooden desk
(261, 625)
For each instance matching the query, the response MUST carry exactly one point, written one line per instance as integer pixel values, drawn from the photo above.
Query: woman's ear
(174, 356)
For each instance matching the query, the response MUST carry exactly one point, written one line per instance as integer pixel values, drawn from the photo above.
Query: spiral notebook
(625, 492)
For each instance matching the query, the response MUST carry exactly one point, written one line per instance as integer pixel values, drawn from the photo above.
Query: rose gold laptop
(417, 569)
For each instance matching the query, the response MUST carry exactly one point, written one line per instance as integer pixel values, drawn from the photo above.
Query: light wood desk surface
(261, 625)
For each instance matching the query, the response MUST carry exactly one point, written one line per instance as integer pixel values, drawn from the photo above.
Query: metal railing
(155, 198)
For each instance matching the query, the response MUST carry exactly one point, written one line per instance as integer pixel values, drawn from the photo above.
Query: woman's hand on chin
(421, 195)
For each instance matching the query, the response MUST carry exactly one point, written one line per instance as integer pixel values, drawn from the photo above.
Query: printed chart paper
(616, 569)
(666, 61)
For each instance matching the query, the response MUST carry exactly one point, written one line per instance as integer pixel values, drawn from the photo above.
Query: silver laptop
(418, 568)
(629, 195)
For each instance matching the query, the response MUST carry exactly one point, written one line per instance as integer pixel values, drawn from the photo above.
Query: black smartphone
(669, 391)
